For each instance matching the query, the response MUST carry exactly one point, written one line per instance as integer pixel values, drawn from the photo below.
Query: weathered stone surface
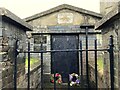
(100, 77)
(1, 84)
(34, 78)
(50, 22)
(107, 6)
(5, 41)
(110, 25)
(5, 48)
(1, 33)
(1, 40)
(61, 7)
(112, 15)
(9, 33)
(8, 14)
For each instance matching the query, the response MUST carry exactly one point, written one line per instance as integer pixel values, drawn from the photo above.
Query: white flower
(74, 79)
(76, 75)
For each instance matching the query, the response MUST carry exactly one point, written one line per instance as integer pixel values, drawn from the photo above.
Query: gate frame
(111, 55)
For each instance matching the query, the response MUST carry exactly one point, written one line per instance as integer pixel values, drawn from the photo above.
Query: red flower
(58, 78)
(52, 81)
(59, 81)
(56, 75)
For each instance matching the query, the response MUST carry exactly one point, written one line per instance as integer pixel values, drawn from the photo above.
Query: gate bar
(68, 82)
(96, 82)
(41, 66)
(87, 74)
(67, 50)
(15, 65)
(28, 65)
(54, 80)
(54, 74)
(86, 27)
(68, 77)
(111, 62)
(81, 64)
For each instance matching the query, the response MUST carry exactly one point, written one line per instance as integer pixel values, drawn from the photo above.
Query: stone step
(64, 86)
(46, 78)
(47, 85)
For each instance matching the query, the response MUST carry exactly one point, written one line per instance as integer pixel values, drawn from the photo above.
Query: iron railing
(95, 50)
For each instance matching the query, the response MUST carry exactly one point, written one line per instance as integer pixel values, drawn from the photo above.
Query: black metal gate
(61, 60)
(66, 50)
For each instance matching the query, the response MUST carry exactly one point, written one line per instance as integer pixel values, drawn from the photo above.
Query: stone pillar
(119, 57)
(7, 56)
(11, 29)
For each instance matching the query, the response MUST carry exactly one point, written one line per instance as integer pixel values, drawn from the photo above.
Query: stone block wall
(9, 33)
(51, 23)
(35, 79)
(110, 25)
(91, 54)
(119, 57)
(106, 6)
(52, 19)
(111, 30)
(100, 77)
(36, 46)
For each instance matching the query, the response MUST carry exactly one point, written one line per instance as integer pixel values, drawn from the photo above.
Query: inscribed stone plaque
(65, 18)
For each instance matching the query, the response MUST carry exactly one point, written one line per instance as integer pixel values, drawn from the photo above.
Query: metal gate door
(65, 62)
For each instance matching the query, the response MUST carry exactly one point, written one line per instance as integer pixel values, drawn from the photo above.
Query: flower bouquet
(74, 79)
(58, 78)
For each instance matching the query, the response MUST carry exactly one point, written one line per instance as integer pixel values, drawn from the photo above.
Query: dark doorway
(64, 62)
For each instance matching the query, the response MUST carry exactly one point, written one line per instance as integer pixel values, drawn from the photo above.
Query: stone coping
(60, 7)
(111, 16)
(12, 17)
(100, 74)
(33, 69)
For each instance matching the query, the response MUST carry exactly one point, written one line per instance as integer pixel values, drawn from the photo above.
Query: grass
(32, 61)
(100, 63)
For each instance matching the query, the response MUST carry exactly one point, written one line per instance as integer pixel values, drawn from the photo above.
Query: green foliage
(100, 63)
(32, 61)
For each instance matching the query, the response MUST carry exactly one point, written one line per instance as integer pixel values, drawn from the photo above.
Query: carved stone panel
(65, 18)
